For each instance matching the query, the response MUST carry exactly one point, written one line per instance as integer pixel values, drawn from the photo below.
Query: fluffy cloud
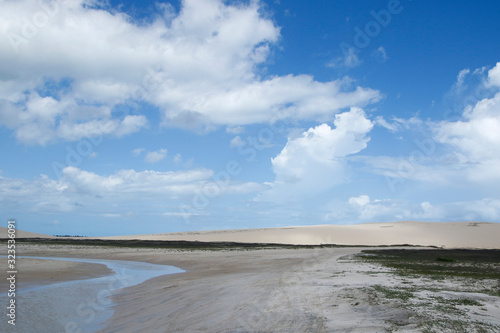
(456, 151)
(494, 75)
(475, 138)
(120, 191)
(315, 161)
(72, 68)
(364, 209)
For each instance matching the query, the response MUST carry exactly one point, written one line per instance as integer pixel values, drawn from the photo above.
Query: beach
(280, 289)
(268, 290)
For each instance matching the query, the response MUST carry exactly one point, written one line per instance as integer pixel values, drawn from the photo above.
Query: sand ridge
(22, 234)
(482, 235)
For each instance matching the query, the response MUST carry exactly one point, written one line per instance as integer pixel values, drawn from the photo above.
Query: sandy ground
(306, 290)
(33, 272)
(22, 234)
(443, 234)
(479, 235)
(285, 290)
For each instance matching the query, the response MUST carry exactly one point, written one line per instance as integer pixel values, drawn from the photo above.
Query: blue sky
(121, 117)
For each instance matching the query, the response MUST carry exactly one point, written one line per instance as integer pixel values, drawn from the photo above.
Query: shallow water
(79, 306)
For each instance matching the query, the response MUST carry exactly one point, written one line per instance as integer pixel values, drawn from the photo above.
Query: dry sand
(449, 235)
(22, 234)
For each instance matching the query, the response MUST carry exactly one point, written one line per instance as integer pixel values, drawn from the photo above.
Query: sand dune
(442, 234)
(22, 234)
(448, 235)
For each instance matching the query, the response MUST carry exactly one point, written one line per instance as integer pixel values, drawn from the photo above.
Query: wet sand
(35, 272)
(68, 303)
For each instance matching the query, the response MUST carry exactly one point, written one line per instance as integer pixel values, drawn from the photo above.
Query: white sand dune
(22, 234)
(443, 234)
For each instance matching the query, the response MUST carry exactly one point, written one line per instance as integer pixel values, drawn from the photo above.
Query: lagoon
(78, 306)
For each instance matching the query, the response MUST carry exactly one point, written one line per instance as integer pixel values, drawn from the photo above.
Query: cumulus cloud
(364, 209)
(362, 200)
(80, 189)
(458, 150)
(77, 68)
(475, 138)
(315, 161)
(494, 75)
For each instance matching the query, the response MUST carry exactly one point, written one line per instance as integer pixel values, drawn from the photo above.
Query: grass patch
(468, 302)
(437, 270)
(391, 293)
(436, 263)
(445, 259)
(160, 244)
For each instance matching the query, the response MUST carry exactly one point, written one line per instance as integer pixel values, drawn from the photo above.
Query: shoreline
(72, 304)
(38, 272)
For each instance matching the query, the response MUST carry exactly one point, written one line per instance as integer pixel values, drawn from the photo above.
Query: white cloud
(459, 85)
(476, 137)
(380, 54)
(462, 152)
(365, 210)
(237, 142)
(398, 124)
(138, 151)
(177, 158)
(350, 59)
(117, 193)
(198, 67)
(362, 200)
(235, 130)
(185, 215)
(315, 161)
(494, 75)
(156, 156)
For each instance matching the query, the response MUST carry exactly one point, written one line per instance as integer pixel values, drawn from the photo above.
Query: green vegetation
(439, 263)
(390, 293)
(445, 259)
(433, 295)
(163, 244)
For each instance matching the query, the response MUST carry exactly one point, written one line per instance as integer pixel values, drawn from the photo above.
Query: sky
(130, 117)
